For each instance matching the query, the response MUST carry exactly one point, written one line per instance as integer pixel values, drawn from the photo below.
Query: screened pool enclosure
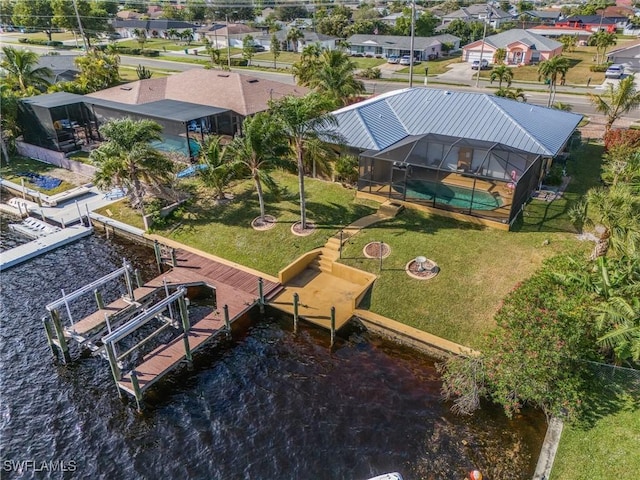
(473, 177)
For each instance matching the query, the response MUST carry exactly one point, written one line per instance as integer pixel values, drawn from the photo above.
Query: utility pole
(226, 16)
(413, 34)
(484, 35)
(84, 40)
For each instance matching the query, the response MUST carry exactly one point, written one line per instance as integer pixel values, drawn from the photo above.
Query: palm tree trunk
(5, 150)
(256, 179)
(303, 206)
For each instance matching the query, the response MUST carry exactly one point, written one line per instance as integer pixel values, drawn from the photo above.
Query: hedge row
(52, 43)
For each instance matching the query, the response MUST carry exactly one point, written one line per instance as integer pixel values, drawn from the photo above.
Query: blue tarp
(187, 172)
(43, 181)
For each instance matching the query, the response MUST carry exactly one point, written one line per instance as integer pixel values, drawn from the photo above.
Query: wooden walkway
(234, 287)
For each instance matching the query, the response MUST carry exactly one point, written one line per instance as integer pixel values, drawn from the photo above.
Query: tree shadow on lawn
(608, 394)
(334, 215)
(412, 221)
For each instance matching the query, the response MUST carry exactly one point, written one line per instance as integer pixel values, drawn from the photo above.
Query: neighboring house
(619, 15)
(63, 67)
(301, 23)
(556, 32)
(522, 46)
(541, 17)
(384, 46)
(392, 19)
(325, 42)
(244, 95)
(129, 15)
(235, 32)
(469, 155)
(628, 55)
(152, 28)
(592, 23)
(479, 12)
(211, 33)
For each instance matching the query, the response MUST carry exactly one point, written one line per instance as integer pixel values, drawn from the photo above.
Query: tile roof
(404, 43)
(243, 94)
(538, 42)
(379, 122)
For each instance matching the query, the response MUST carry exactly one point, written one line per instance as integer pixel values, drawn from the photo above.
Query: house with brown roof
(243, 95)
(218, 33)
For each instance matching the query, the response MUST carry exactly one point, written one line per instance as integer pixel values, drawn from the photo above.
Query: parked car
(257, 48)
(393, 59)
(405, 60)
(480, 65)
(614, 71)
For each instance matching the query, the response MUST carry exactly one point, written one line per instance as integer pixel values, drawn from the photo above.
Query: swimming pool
(451, 195)
(177, 144)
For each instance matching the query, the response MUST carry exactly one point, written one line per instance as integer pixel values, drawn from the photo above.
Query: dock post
(184, 315)
(227, 322)
(138, 276)
(115, 370)
(62, 223)
(136, 389)
(79, 214)
(62, 342)
(174, 260)
(99, 299)
(296, 300)
(24, 193)
(333, 325)
(340, 249)
(261, 294)
(47, 329)
(127, 276)
(156, 249)
(66, 304)
(88, 215)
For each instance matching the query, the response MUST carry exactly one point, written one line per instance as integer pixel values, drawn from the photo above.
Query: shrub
(371, 73)
(599, 68)
(239, 62)
(554, 177)
(622, 137)
(346, 168)
(150, 53)
(52, 43)
(129, 51)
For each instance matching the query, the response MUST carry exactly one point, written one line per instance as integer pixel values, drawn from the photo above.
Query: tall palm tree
(22, 71)
(602, 40)
(127, 158)
(552, 69)
(293, 37)
(261, 148)
(617, 100)
(303, 119)
(141, 36)
(503, 74)
(214, 172)
(335, 77)
(499, 56)
(309, 62)
(512, 94)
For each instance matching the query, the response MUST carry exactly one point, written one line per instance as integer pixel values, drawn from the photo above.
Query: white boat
(387, 476)
(33, 228)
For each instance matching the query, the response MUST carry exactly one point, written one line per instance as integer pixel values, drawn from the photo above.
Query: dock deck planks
(235, 288)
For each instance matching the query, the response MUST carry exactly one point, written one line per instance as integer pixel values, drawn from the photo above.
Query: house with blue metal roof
(472, 154)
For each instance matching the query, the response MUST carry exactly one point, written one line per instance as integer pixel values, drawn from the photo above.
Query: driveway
(458, 72)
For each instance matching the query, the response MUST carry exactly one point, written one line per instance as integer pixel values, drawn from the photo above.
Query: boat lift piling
(333, 326)
(296, 301)
(261, 294)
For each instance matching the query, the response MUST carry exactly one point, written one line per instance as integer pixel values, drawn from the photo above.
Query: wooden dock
(236, 292)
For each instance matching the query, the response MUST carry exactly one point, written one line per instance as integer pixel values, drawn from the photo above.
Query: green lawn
(436, 67)
(160, 44)
(128, 74)
(59, 37)
(604, 443)
(284, 57)
(580, 60)
(11, 172)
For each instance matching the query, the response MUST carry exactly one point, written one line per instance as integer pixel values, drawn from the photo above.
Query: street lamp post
(228, 44)
(484, 35)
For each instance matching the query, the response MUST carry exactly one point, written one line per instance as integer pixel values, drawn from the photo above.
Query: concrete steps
(323, 263)
(390, 209)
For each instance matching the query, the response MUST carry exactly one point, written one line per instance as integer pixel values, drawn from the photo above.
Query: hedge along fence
(132, 51)
(34, 41)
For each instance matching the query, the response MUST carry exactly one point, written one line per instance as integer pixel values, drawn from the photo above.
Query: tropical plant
(22, 72)
(143, 72)
(275, 49)
(172, 34)
(568, 42)
(98, 70)
(512, 94)
(503, 74)
(8, 119)
(293, 37)
(141, 36)
(261, 148)
(499, 56)
(35, 14)
(214, 53)
(565, 107)
(333, 75)
(602, 40)
(346, 169)
(248, 48)
(617, 100)
(214, 172)
(303, 119)
(127, 159)
(550, 70)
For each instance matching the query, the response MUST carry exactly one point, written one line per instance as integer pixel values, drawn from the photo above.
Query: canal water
(270, 404)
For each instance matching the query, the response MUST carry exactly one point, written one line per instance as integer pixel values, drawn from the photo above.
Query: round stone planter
(372, 250)
(267, 223)
(297, 230)
(423, 271)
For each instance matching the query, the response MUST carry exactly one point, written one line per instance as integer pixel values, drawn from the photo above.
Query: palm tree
(21, 72)
(499, 56)
(510, 93)
(303, 119)
(127, 159)
(261, 148)
(334, 77)
(602, 40)
(550, 70)
(172, 34)
(275, 49)
(141, 36)
(565, 107)
(8, 119)
(214, 172)
(309, 62)
(293, 37)
(617, 100)
(503, 74)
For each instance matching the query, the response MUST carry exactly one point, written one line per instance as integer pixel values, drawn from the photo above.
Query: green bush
(129, 51)
(150, 53)
(554, 177)
(52, 43)
(239, 62)
(370, 73)
(600, 68)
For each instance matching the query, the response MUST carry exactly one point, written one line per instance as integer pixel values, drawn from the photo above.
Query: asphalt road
(580, 103)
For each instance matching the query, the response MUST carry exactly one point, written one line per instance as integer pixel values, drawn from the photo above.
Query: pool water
(452, 195)
(177, 144)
